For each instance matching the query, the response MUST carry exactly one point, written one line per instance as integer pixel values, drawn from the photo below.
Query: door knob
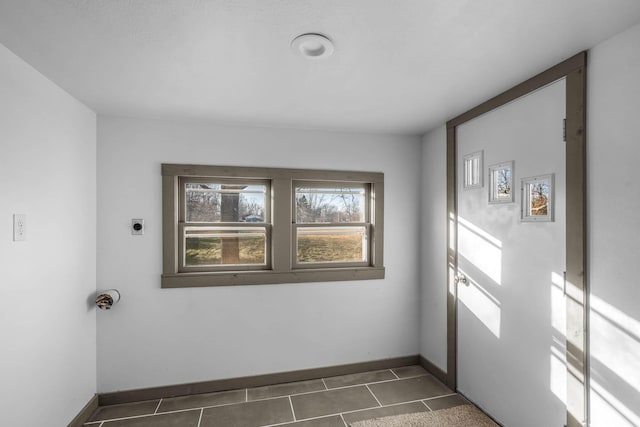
(460, 278)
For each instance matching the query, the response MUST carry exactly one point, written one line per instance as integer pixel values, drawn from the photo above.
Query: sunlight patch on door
(482, 249)
(482, 304)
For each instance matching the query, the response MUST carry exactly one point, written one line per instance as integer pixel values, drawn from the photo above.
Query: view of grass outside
(338, 247)
(323, 248)
(208, 251)
(335, 207)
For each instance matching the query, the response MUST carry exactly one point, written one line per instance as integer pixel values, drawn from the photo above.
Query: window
(223, 224)
(331, 224)
(473, 170)
(537, 198)
(236, 225)
(501, 183)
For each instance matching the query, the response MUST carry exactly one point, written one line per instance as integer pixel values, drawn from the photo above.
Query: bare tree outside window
(329, 205)
(203, 203)
(537, 198)
(501, 183)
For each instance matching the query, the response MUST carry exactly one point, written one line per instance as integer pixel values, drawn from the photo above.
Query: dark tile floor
(325, 402)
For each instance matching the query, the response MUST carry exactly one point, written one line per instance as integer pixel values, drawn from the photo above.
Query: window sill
(235, 278)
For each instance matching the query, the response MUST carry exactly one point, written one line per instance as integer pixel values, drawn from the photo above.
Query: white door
(511, 321)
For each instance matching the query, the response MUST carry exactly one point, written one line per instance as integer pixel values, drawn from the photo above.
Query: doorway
(519, 350)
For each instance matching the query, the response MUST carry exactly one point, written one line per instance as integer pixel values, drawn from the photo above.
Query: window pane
(539, 198)
(502, 184)
(210, 246)
(331, 244)
(330, 205)
(215, 202)
(472, 172)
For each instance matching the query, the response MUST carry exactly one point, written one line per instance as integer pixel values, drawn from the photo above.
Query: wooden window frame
(280, 266)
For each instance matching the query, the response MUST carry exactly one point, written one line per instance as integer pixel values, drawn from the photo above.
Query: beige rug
(459, 416)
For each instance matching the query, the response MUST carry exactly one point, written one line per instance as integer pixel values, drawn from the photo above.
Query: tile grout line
(302, 393)
(290, 403)
(345, 412)
(325, 384)
(279, 397)
(200, 418)
(342, 418)
(383, 406)
(423, 401)
(442, 395)
(292, 411)
(340, 388)
(297, 394)
(374, 396)
(177, 411)
(284, 423)
(157, 407)
(394, 374)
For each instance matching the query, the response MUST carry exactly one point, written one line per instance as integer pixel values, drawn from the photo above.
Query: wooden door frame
(574, 70)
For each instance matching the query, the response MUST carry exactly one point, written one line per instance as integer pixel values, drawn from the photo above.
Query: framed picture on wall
(473, 164)
(501, 183)
(537, 198)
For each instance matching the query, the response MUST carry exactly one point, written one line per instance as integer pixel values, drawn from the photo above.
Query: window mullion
(281, 218)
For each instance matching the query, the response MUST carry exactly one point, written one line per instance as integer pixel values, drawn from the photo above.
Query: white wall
(613, 140)
(433, 275)
(169, 336)
(48, 172)
(613, 145)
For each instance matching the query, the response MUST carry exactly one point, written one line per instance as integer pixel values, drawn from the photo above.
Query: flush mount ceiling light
(313, 46)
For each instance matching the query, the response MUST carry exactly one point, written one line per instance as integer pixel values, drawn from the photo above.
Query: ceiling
(399, 66)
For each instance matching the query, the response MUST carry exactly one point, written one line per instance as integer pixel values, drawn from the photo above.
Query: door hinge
(564, 130)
